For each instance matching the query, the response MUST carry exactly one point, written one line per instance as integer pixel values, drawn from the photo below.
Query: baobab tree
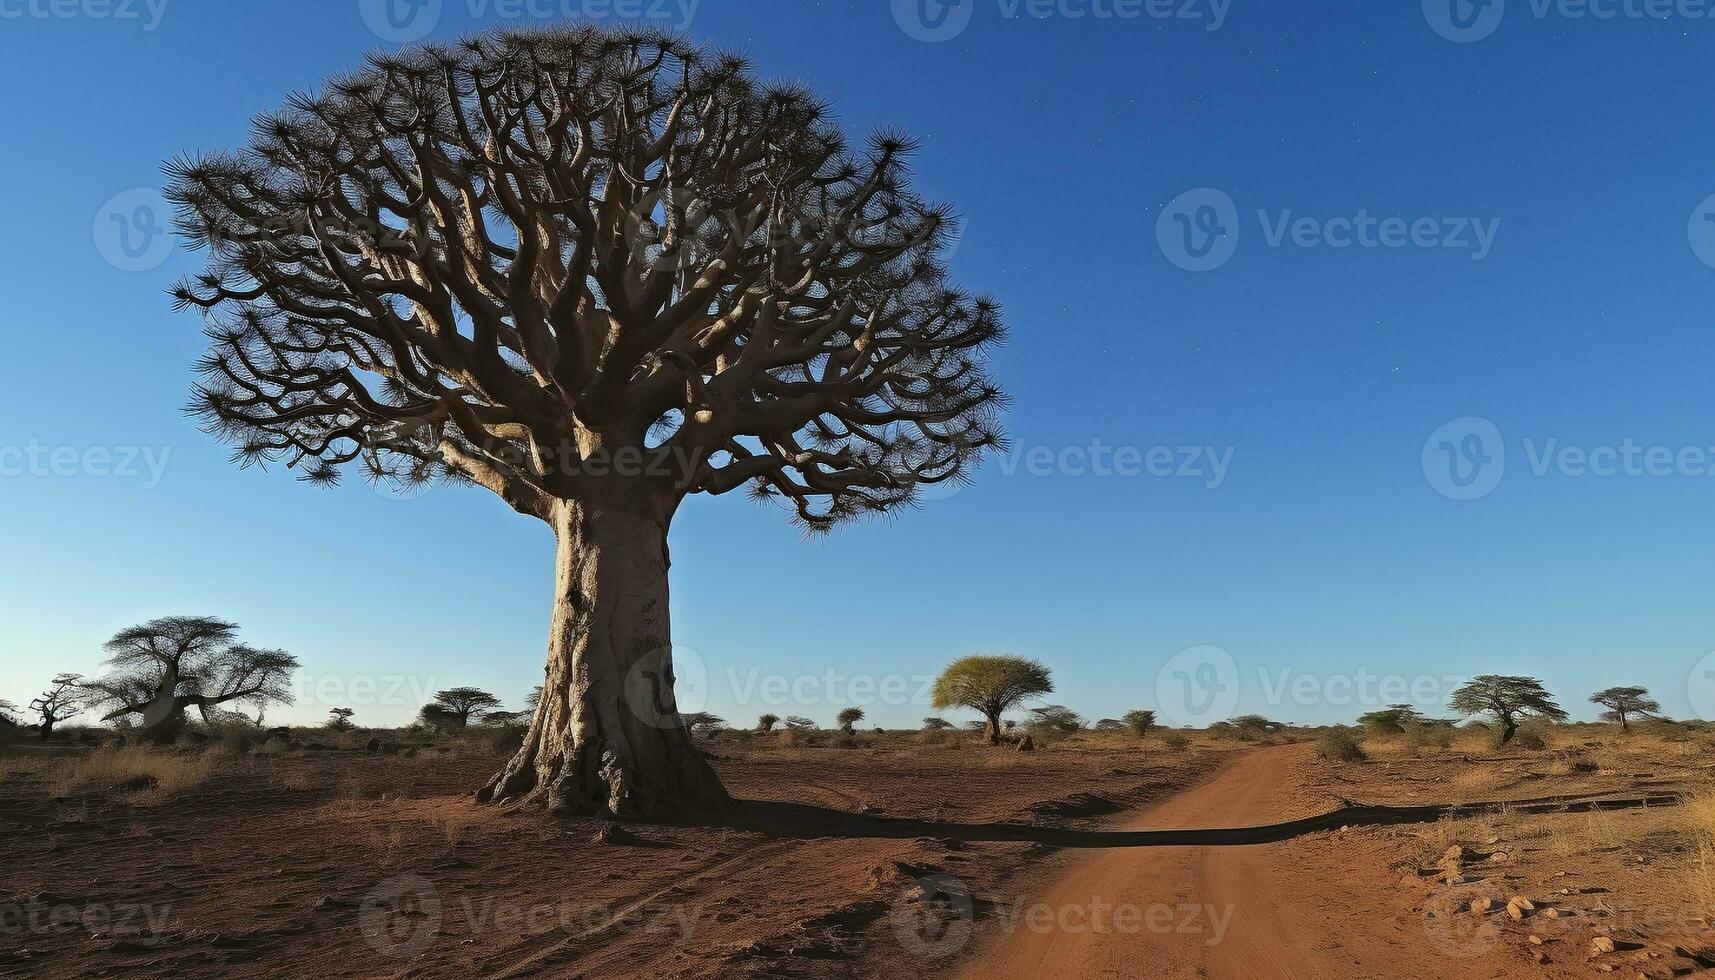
(1507, 698)
(990, 685)
(164, 666)
(1623, 702)
(593, 272)
(62, 701)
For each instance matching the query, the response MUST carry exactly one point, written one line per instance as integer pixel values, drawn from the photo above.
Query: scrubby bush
(1531, 738)
(1177, 741)
(1391, 720)
(765, 723)
(1339, 745)
(1054, 719)
(802, 725)
(1109, 725)
(936, 724)
(1140, 722)
(1429, 735)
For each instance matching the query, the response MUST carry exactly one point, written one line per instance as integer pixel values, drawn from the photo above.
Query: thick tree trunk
(606, 738)
(992, 728)
(1509, 728)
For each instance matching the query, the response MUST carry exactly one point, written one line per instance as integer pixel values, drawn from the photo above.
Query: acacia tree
(765, 722)
(990, 685)
(7, 709)
(1391, 720)
(456, 706)
(62, 701)
(167, 665)
(1623, 702)
(594, 273)
(1507, 698)
(848, 719)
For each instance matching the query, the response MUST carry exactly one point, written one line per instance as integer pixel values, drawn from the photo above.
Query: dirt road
(1261, 912)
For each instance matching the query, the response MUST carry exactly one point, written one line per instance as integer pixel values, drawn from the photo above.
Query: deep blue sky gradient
(1325, 549)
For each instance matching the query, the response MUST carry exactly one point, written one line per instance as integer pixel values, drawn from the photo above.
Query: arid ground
(888, 858)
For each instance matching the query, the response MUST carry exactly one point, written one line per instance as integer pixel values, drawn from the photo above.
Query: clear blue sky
(1325, 548)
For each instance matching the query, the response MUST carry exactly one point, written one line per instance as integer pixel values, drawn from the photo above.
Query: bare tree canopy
(594, 272)
(510, 260)
(162, 667)
(62, 701)
(1623, 702)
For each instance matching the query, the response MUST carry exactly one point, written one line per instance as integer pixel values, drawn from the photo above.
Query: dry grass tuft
(148, 775)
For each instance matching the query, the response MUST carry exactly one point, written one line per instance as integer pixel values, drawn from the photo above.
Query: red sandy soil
(352, 864)
(891, 860)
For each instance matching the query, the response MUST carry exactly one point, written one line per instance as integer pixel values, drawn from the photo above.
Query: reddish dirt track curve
(1256, 912)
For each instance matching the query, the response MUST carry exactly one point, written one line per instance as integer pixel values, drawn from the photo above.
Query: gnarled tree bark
(606, 737)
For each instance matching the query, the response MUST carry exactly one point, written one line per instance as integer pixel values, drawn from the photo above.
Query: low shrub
(1340, 745)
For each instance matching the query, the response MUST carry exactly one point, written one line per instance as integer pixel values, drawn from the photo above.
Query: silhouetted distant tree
(1507, 698)
(461, 704)
(766, 722)
(848, 719)
(592, 272)
(703, 723)
(64, 700)
(164, 666)
(991, 685)
(339, 719)
(1623, 702)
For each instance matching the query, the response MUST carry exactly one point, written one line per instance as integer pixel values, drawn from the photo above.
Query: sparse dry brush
(146, 773)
